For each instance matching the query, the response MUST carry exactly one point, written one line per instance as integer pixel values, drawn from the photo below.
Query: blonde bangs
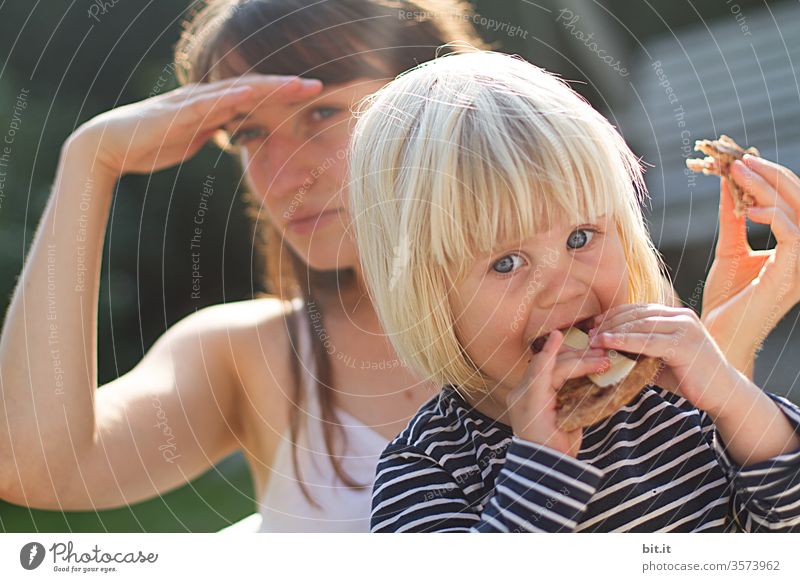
(497, 169)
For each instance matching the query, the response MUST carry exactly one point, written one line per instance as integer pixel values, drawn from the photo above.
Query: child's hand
(743, 285)
(532, 405)
(694, 366)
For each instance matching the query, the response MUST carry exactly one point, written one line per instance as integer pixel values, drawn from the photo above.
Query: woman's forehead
(360, 86)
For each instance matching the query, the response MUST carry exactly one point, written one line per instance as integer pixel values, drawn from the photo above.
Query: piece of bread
(720, 154)
(581, 402)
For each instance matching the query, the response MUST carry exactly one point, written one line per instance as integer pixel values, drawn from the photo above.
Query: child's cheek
(490, 322)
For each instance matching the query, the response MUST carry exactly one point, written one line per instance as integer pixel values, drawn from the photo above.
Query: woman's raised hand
(747, 292)
(162, 131)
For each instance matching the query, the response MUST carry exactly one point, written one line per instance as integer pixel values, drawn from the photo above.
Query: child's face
(523, 291)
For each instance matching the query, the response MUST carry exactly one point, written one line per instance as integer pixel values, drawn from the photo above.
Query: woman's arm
(148, 431)
(65, 445)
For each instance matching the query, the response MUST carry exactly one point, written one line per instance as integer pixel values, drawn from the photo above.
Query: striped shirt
(657, 464)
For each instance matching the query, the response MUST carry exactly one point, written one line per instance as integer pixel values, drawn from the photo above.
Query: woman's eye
(506, 264)
(246, 134)
(323, 113)
(580, 237)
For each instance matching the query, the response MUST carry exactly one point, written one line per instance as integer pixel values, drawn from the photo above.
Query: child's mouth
(584, 325)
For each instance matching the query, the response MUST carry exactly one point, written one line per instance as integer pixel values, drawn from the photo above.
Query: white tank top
(283, 507)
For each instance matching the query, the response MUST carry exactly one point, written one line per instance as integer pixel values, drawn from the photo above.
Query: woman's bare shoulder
(245, 335)
(250, 339)
(265, 312)
(252, 329)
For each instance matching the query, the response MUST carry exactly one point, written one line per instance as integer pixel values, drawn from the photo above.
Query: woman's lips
(312, 223)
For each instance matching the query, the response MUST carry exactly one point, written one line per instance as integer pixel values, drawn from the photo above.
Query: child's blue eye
(246, 134)
(506, 264)
(580, 237)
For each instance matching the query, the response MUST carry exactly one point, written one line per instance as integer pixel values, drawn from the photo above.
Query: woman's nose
(288, 165)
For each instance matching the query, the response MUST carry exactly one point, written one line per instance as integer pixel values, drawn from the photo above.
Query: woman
(310, 389)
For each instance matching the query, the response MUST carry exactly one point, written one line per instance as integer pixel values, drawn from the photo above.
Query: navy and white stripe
(655, 465)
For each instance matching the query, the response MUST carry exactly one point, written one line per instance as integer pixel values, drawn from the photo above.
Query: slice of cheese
(575, 338)
(620, 365)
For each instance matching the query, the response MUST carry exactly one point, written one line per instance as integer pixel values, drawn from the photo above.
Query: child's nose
(562, 285)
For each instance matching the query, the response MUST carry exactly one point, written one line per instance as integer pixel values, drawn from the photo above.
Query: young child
(492, 205)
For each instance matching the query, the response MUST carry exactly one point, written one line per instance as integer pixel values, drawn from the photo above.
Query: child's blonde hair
(466, 152)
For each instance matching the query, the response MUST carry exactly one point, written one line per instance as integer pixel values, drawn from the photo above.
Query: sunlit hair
(465, 153)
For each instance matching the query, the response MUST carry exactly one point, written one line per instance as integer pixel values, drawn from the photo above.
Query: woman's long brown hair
(336, 41)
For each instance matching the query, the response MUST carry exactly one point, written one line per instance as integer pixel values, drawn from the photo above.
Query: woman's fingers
(219, 117)
(779, 177)
(260, 83)
(784, 229)
(291, 92)
(763, 192)
(271, 81)
(190, 126)
(196, 108)
(732, 228)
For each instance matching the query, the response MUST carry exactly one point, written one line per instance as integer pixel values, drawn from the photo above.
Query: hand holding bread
(747, 292)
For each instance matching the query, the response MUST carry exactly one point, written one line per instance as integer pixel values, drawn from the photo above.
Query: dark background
(75, 68)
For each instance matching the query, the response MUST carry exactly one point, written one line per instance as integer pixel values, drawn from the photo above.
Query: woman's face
(294, 157)
(550, 281)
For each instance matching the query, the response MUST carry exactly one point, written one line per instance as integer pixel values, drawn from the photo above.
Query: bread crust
(720, 154)
(581, 403)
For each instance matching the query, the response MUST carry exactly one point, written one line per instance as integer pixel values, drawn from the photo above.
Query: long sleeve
(537, 490)
(766, 495)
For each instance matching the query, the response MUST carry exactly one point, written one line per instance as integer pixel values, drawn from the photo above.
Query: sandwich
(720, 154)
(584, 401)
